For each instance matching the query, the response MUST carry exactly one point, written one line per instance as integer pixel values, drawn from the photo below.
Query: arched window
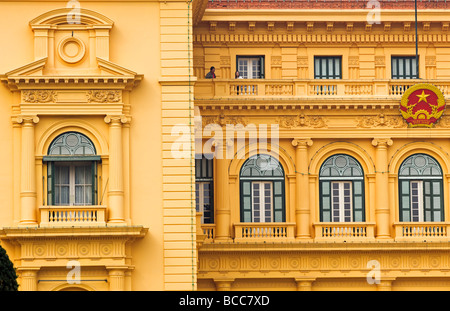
(420, 187)
(341, 185)
(262, 190)
(71, 170)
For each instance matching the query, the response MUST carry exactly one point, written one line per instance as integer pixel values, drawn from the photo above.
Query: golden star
(423, 96)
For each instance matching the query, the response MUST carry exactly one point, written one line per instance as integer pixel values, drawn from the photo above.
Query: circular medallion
(71, 50)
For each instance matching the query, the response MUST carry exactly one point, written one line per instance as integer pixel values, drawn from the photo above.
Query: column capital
(302, 142)
(114, 119)
(382, 142)
(22, 119)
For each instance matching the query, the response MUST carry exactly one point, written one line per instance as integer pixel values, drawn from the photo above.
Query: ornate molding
(39, 96)
(443, 122)
(223, 120)
(104, 96)
(381, 121)
(302, 120)
(260, 262)
(302, 61)
(353, 61)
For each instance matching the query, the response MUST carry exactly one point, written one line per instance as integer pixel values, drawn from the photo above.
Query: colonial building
(352, 192)
(325, 166)
(92, 198)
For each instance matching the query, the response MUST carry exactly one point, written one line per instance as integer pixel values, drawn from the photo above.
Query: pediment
(33, 75)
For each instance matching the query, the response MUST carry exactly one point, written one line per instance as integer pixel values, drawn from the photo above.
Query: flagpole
(417, 46)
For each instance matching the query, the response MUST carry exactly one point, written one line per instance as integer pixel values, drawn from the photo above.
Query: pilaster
(223, 213)
(382, 209)
(28, 172)
(302, 211)
(116, 189)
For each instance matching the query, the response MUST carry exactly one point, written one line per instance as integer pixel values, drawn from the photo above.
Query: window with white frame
(250, 67)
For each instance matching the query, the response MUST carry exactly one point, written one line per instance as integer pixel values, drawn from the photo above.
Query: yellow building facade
(126, 169)
(345, 195)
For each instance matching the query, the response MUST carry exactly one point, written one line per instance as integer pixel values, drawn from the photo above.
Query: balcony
(207, 89)
(68, 216)
(268, 232)
(429, 231)
(332, 231)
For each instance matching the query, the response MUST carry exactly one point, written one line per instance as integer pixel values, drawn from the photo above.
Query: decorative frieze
(302, 120)
(39, 96)
(104, 96)
(223, 120)
(260, 262)
(381, 120)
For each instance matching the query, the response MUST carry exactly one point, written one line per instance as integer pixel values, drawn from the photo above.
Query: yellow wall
(358, 115)
(148, 38)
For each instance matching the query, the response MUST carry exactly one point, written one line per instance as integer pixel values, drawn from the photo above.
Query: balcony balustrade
(415, 231)
(257, 232)
(68, 216)
(263, 88)
(339, 231)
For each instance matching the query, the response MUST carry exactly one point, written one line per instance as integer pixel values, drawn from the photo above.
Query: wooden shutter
(246, 201)
(50, 183)
(325, 201)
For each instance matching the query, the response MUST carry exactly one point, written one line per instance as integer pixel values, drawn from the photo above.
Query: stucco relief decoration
(302, 121)
(381, 120)
(39, 96)
(223, 120)
(104, 96)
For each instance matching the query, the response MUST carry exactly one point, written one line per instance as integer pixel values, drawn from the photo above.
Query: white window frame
(263, 200)
(339, 199)
(250, 63)
(420, 198)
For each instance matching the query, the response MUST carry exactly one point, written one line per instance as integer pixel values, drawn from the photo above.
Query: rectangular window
(327, 67)
(250, 67)
(73, 184)
(204, 195)
(341, 201)
(262, 203)
(404, 67)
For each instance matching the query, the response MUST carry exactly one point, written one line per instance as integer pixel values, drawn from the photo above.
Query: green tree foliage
(8, 276)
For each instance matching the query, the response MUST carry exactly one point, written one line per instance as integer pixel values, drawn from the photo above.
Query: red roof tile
(326, 4)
